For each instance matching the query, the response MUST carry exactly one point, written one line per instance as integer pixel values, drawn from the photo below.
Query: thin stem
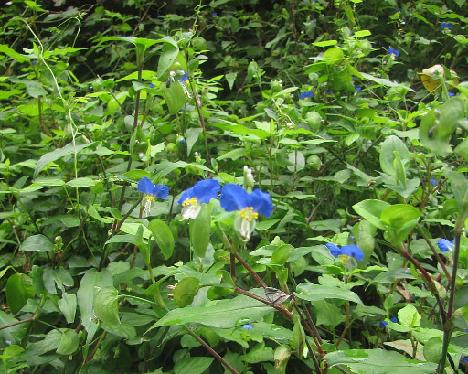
(436, 254)
(201, 118)
(212, 352)
(16, 323)
(448, 322)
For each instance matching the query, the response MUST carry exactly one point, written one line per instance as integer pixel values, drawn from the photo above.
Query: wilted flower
(393, 52)
(250, 206)
(445, 245)
(192, 198)
(306, 95)
(151, 192)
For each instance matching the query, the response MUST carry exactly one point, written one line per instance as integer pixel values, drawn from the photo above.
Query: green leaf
(377, 361)
(163, 237)
(200, 231)
(37, 243)
(220, 313)
(10, 52)
(19, 288)
(85, 295)
(409, 316)
(174, 96)
(371, 210)
(185, 291)
(106, 305)
(68, 150)
(391, 147)
(326, 43)
(82, 182)
(362, 33)
(399, 221)
(433, 350)
(193, 365)
(69, 342)
(192, 137)
(459, 184)
(168, 57)
(314, 292)
(67, 305)
(333, 56)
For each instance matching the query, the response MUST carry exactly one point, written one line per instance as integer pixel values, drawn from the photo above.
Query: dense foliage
(233, 186)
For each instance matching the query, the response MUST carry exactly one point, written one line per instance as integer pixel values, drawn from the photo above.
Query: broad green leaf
(314, 292)
(325, 43)
(362, 33)
(37, 243)
(333, 56)
(18, 289)
(371, 210)
(68, 150)
(10, 52)
(391, 146)
(193, 365)
(167, 58)
(221, 313)
(399, 221)
(200, 229)
(175, 97)
(106, 305)
(67, 305)
(459, 184)
(409, 316)
(82, 182)
(185, 291)
(378, 361)
(192, 137)
(69, 342)
(163, 237)
(85, 295)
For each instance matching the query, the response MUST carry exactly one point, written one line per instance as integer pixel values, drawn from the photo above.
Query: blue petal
(393, 51)
(383, 323)
(353, 250)
(261, 202)
(434, 182)
(203, 191)
(334, 249)
(233, 197)
(160, 191)
(445, 245)
(145, 185)
(247, 327)
(306, 95)
(394, 319)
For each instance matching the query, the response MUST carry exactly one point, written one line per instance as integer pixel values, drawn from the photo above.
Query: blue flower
(446, 25)
(202, 192)
(395, 53)
(465, 330)
(306, 95)
(352, 250)
(247, 327)
(151, 85)
(214, 14)
(334, 249)
(383, 323)
(184, 77)
(445, 245)
(465, 360)
(250, 206)
(434, 182)
(394, 319)
(451, 93)
(151, 192)
(358, 88)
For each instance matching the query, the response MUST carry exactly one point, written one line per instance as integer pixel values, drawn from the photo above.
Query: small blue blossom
(214, 14)
(151, 85)
(154, 190)
(352, 250)
(393, 52)
(383, 324)
(445, 245)
(434, 182)
(151, 192)
(465, 330)
(446, 25)
(192, 198)
(306, 95)
(250, 206)
(465, 360)
(247, 327)
(451, 93)
(184, 77)
(334, 249)
(358, 88)
(394, 319)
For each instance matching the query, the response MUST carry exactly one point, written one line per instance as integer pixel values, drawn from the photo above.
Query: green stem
(448, 327)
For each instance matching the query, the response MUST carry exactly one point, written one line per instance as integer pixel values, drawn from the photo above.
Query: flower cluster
(249, 205)
(348, 251)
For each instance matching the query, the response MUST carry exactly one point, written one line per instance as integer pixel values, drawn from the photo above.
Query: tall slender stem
(448, 327)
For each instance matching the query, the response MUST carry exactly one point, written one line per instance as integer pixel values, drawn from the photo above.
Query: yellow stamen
(248, 214)
(149, 197)
(192, 201)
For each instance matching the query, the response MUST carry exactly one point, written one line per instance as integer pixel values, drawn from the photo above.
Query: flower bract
(445, 245)
(192, 198)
